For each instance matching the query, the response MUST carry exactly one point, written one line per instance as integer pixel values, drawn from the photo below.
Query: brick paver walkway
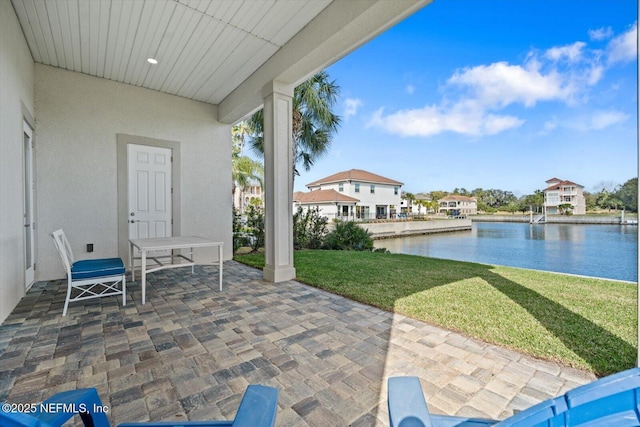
(191, 350)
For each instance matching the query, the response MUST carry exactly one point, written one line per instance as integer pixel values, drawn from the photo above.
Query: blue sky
(493, 94)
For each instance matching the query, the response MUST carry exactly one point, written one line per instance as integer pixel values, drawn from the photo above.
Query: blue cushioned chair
(609, 401)
(91, 278)
(257, 409)
(57, 410)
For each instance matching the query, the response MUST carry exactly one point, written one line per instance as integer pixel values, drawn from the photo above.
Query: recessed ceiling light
(152, 61)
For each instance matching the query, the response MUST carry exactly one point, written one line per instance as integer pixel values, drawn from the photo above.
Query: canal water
(608, 251)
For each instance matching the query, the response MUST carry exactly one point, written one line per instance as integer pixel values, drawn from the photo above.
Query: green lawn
(585, 323)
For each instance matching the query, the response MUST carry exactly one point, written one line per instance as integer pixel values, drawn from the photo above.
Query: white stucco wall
(16, 91)
(78, 119)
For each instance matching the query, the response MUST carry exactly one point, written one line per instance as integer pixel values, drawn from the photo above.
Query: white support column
(278, 182)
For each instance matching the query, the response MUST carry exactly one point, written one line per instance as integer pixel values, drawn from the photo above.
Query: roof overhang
(215, 51)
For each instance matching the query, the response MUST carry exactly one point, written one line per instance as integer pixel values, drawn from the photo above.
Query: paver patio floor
(190, 351)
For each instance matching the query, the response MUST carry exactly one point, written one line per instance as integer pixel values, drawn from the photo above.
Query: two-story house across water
(456, 205)
(560, 192)
(353, 195)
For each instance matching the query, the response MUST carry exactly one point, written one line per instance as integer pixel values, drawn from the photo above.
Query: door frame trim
(32, 201)
(123, 186)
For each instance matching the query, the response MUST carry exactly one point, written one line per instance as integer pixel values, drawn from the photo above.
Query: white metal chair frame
(92, 287)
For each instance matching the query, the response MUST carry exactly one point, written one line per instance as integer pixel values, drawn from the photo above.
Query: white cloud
(351, 106)
(501, 84)
(624, 48)
(572, 52)
(595, 74)
(598, 120)
(601, 33)
(549, 126)
(410, 89)
(605, 119)
(466, 119)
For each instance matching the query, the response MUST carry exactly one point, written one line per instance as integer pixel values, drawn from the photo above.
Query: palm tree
(314, 122)
(409, 197)
(244, 169)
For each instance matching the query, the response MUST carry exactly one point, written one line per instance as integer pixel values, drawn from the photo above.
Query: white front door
(28, 184)
(149, 196)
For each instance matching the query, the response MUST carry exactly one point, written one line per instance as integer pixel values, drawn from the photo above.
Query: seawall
(553, 219)
(387, 230)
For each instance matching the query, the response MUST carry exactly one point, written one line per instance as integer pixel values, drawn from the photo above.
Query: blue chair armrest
(407, 407)
(258, 408)
(451, 421)
(179, 424)
(609, 401)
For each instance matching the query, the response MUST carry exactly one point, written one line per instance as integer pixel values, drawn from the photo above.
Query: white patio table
(176, 259)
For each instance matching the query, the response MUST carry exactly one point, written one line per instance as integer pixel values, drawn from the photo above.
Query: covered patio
(190, 351)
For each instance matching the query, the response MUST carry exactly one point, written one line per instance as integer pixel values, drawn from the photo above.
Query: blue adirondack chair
(609, 401)
(257, 409)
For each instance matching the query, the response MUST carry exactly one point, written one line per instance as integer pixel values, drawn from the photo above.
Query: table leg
(131, 252)
(220, 262)
(144, 275)
(193, 257)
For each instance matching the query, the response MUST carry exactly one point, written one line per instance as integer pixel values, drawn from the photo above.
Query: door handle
(132, 221)
(27, 225)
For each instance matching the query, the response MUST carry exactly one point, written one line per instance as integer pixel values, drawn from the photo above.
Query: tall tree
(314, 123)
(628, 194)
(244, 169)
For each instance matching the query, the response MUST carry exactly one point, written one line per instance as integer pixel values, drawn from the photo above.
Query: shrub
(238, 240)
(349, 236)
(309, 228)
(255, 223)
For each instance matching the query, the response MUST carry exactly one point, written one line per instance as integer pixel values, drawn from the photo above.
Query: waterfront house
(415, 206)
(456, 205)
(251, 194)
(561, 192)
(84, 109)
(377, 197)
(329, 203)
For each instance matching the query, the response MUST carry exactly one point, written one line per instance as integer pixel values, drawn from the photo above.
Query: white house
(86, 121)
(562, 192)
(329, 203)
(413, 207)
(377, 197)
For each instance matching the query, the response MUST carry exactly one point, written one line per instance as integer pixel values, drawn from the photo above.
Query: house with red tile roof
(559, 192)
(456, 205)
(353, 195)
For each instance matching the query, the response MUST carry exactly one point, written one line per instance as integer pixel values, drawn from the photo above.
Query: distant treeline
(607, 196)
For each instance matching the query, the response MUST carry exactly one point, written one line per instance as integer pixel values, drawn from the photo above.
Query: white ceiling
(205, 49)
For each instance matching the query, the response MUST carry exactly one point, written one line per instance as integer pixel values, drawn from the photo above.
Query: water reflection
(593, 250)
